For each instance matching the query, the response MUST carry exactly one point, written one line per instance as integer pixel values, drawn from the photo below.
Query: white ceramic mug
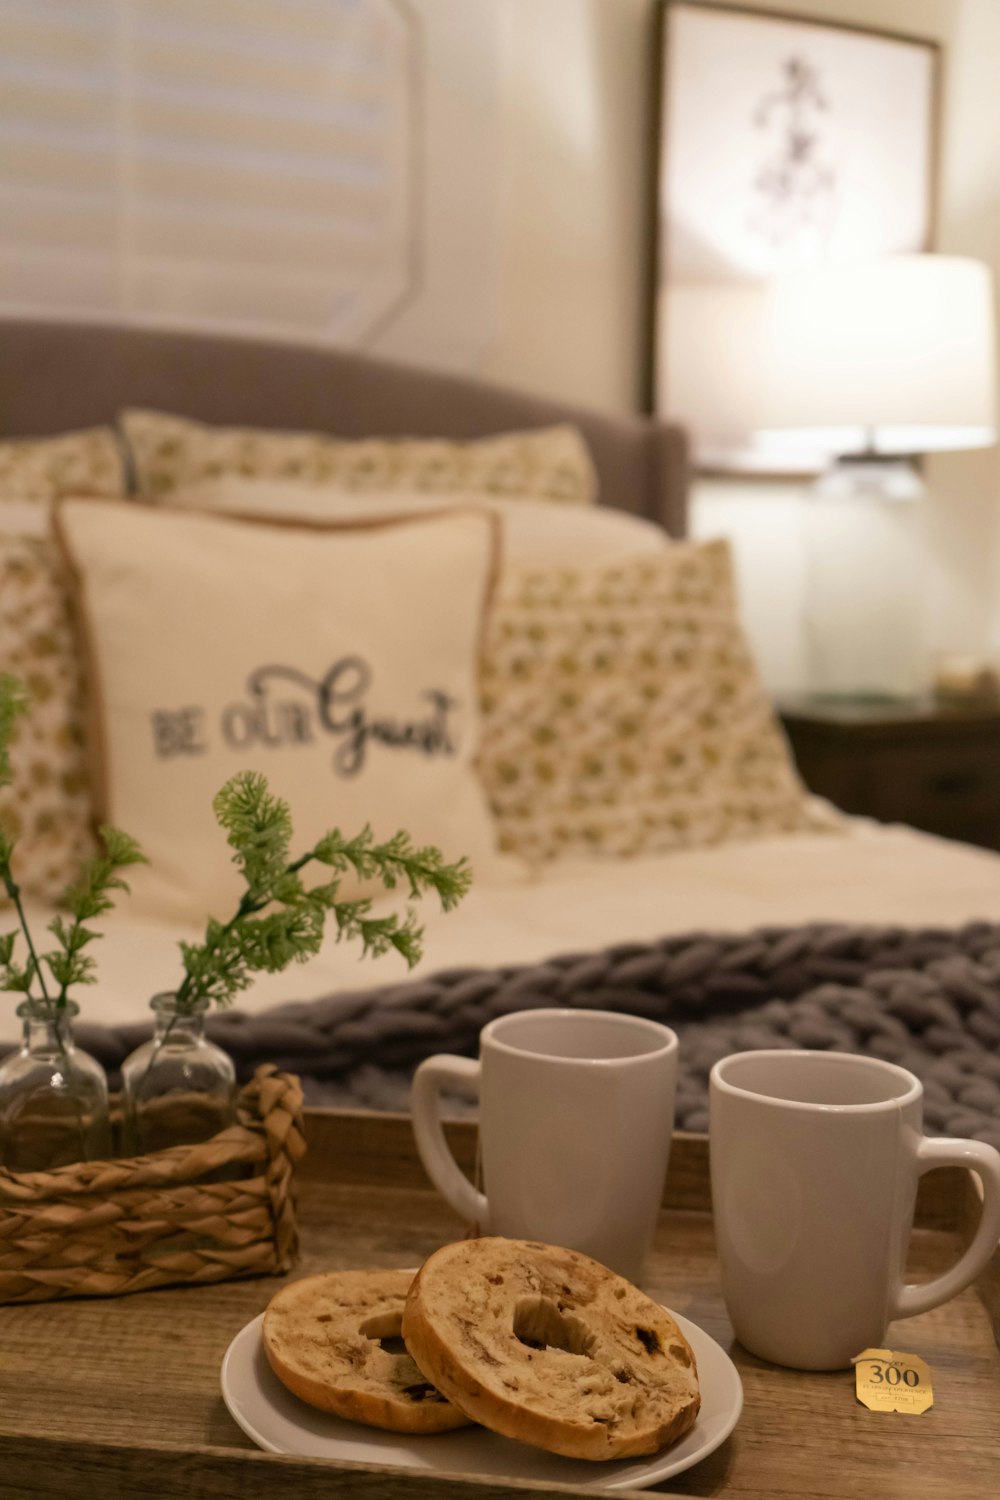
(815, 1160)
(576, 1110)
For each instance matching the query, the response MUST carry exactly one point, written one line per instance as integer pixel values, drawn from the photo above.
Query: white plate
(281, 1423)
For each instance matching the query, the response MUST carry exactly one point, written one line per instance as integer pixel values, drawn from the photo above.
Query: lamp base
(870, 476)
(865, 578)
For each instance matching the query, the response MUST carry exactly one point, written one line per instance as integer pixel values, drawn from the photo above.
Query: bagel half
(322, 1336)
(548, 1347)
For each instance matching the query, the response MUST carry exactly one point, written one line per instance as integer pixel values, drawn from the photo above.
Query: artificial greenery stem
(279, 920)
(14, 892)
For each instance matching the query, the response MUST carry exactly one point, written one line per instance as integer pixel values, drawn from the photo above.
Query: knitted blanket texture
(926, 998)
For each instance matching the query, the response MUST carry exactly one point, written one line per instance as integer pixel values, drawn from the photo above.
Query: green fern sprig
(68, 964)
(280, 919)
(394, 861)
(90, 897)
(13, 703)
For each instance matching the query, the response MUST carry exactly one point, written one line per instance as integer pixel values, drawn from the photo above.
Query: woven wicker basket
(102, 1228)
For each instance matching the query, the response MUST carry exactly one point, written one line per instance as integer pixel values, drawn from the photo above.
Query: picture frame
(780, 141)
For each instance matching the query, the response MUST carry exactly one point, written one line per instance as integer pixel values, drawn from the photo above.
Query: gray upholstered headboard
(57, 376)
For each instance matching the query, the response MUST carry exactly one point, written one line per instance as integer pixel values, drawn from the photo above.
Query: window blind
(236, 164)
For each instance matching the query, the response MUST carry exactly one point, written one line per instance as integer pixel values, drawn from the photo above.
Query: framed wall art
(781, 142)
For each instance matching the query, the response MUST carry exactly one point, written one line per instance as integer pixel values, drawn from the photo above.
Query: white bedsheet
(867, 873)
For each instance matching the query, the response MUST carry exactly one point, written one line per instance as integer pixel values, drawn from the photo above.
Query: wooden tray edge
(177, 1472)
(377, 1148)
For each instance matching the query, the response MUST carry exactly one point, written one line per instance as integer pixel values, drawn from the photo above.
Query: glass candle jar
(53, 1096)
(178, 1087)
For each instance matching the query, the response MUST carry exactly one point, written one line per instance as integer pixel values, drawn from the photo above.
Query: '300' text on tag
(888, 1381)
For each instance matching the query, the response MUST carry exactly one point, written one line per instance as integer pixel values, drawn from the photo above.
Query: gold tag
(888, 1381)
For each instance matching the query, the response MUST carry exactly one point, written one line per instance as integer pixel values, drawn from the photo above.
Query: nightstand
(925, 763)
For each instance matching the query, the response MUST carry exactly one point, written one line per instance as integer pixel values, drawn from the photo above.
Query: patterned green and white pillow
(623, 714)
(47, 804)
(550, 463)
(74, 463)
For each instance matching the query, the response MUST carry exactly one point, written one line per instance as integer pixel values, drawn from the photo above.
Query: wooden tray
(120, 1397)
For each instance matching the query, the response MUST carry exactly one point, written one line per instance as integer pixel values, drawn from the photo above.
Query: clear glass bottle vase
(178, 1087)
(53, 1096)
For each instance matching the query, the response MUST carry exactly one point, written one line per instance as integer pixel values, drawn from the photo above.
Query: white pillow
(537, 533)
(340, 662)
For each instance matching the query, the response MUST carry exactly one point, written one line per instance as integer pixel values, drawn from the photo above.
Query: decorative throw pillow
(550, 463)
(74, 463)
(623, 715)
(341, 663)
(536, 532)
(47, 803)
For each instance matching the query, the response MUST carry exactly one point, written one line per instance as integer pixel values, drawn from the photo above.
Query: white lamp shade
(709, 335)
(894, 355)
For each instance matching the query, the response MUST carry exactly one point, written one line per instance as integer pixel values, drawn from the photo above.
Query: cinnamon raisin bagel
(547, 1346)
(322, 1337)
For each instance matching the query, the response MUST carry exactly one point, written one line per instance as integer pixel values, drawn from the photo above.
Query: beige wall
(573, 211)
(572, 190)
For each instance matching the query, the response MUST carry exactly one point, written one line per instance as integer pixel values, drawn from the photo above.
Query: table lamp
(870, 364)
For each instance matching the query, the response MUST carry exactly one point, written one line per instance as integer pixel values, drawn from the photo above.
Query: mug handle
(984, 1160)
(441, 1167)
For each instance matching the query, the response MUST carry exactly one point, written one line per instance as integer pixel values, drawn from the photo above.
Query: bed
(55, 377)
(899, 923)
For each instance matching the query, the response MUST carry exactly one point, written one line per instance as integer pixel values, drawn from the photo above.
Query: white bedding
(867, 873)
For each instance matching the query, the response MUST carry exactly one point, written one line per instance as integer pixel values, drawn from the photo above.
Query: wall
(572, 197)
(573, 210)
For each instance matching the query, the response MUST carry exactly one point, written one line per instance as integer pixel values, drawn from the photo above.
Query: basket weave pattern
(102, 1228)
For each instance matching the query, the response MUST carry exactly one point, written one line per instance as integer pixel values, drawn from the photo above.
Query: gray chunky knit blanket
(927, 998)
